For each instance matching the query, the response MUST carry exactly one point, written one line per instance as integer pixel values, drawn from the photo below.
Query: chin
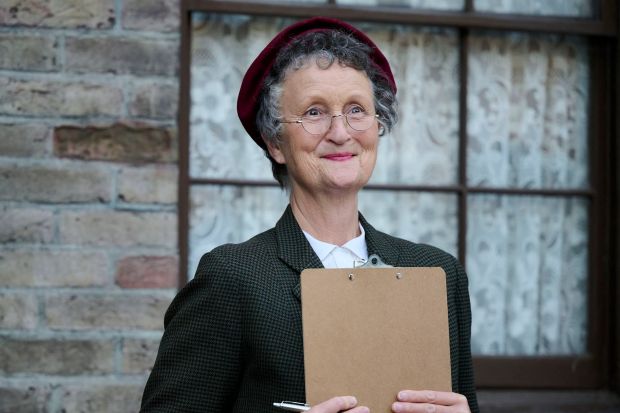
(348, 183)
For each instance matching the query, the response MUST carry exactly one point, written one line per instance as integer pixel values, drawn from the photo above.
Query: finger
(441, 398)
(337, 404)
(405, 407)
(359, 409)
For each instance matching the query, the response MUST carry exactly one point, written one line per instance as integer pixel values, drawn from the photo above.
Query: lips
(340, 156)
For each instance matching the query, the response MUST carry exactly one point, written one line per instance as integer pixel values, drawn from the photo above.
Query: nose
(338, 131)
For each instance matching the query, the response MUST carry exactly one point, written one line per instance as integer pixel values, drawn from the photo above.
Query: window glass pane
(221, 214)
(223, 46)
(423, 147)
(424, 217)
(527, 261)
(415, 4)
(527, 111)
(577, 8)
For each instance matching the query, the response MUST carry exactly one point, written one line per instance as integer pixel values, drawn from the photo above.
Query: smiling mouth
(339, 156)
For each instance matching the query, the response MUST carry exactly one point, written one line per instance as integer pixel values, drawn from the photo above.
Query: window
(498, 158)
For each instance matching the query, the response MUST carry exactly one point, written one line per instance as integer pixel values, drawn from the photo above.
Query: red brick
(148, 272)
(119, 142)
(58, 13)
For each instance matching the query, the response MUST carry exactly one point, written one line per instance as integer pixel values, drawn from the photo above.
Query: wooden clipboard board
(371, 332)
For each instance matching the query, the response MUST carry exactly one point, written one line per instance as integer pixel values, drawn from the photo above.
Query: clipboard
(371, 332)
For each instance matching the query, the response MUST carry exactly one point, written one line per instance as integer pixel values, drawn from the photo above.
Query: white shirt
(334, 256)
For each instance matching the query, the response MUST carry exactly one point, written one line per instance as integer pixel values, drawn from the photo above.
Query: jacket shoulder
(247, 253)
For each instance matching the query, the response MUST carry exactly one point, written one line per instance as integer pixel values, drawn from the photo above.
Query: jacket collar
(295, 250)
(293, 247)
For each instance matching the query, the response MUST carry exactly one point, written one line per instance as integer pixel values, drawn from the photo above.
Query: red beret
(252, 84)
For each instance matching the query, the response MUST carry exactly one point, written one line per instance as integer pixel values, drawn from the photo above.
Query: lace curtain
(527, 128)
(527, 256)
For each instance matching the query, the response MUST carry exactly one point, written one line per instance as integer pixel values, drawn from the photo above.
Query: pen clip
(292, 406)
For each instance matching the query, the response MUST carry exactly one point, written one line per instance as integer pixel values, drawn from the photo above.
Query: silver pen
(292, 406)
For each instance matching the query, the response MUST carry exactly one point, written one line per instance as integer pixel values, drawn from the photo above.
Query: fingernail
(351, 401)
(402, 395)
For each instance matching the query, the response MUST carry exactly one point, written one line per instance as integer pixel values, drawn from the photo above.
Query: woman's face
(341, 159)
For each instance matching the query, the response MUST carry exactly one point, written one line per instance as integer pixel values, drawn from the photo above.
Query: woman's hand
(428, 401)
(339, 404)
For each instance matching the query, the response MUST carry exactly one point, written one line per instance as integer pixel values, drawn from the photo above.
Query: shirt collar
(356, 245)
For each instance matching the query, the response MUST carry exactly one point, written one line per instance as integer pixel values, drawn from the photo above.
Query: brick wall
(88, 181)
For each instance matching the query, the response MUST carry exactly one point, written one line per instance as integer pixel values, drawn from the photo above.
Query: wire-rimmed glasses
(320, 124)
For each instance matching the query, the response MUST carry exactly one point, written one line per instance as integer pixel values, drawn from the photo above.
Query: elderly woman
(316, 100)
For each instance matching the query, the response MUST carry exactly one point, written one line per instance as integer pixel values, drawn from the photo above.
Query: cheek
(371, 148)
(370, 143)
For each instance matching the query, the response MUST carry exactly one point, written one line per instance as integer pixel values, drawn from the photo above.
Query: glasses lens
(360, 121)
(316, 125)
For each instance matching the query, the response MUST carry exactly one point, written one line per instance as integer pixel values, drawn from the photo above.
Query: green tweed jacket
(233, 335)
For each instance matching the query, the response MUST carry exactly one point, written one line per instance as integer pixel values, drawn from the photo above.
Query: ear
(275, 152)
(381, 129)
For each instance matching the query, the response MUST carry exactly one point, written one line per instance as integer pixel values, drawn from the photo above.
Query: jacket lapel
(293, 247)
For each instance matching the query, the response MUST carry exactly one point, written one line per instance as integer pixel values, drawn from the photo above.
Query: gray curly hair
(325, 47)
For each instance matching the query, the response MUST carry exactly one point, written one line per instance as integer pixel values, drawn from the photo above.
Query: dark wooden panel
(545, 372)
(463, 19)
(523, 401)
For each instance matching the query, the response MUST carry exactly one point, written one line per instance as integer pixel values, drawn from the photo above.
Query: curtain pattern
(528, 111)
(221, 214)
(223, 46)
(423, 147)
(527, 256)
(527, 262)
(425, 217)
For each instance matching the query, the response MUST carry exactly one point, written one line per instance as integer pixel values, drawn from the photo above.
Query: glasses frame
(300, 121)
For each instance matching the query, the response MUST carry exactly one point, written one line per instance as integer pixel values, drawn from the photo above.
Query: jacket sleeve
(198, 365)
(466, 369)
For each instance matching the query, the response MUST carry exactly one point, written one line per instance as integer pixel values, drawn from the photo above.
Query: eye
(313, 113)
(356, 110)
